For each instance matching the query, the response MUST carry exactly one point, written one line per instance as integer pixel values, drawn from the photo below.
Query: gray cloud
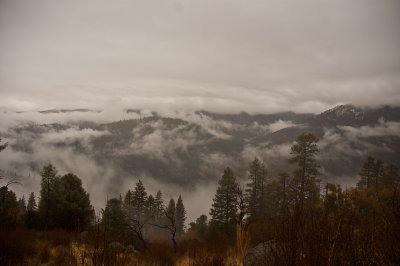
(214, 127)
(225, 56)
(335, 146)
(280, 124)
(350, 142)
(72, 135)
(384, 128)
(109, 114)
(163, 141)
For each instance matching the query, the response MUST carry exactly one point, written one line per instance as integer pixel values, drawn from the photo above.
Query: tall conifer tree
(180, 216)
(224, 207)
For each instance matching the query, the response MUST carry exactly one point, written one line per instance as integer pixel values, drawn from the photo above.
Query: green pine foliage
(224, 207)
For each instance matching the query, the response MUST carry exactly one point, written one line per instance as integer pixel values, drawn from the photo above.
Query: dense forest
(291, 219)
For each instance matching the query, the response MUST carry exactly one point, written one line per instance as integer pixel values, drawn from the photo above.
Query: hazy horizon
(225, 56)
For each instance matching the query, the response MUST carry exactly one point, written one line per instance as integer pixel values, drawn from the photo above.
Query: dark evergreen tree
(150, 209)
(201, 227)
(31, 203)
(32, 212)
(284, 180)
(375, 174)
(128, 199)
(137, 213)
(224, 207)
(113, 218)
(180, 216)
(21, 210)
(303, 154)
(139, 199)
(171, 209)
(159, 206)
(74, 210)
(170, 222)
(47, 195)
(9, 208)
(256, 189)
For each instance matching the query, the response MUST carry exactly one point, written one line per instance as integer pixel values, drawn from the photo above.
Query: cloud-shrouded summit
(221, 56)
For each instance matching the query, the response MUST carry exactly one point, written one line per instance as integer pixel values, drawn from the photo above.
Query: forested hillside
(287, 219)
(188, 150)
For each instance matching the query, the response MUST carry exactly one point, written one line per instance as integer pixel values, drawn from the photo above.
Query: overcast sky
(224, 56)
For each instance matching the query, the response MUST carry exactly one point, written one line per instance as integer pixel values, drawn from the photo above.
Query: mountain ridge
(172, 149)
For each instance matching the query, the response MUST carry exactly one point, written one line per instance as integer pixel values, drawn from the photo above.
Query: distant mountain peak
(344, 110)
(345, 114)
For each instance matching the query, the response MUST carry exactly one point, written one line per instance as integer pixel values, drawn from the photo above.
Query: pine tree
(150, 208)
(139, 199)
(171, 210)
(128, 198)
(8, 207)
(74, 210)
(374, 174)
(158, 205)
(256, 189)
(31, 203)
(201, 226)
(113, 218)
(136, 214)
(304, 152)
(224, 207)
(283, 191)
(47, 194)
(180, 216)
(31, 214)
(170, 222)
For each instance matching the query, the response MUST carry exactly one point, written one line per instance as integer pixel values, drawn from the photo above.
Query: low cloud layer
(162, 141)
(12, 119)
(384, 128)
(279, 124)
(183, 154)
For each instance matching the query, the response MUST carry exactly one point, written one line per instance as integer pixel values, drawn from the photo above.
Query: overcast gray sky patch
(223, 56)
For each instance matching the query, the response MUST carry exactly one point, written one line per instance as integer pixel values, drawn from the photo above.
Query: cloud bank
(225, 56)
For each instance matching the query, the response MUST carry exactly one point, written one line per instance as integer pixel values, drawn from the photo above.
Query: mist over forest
(199, 132)
(185, 152)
